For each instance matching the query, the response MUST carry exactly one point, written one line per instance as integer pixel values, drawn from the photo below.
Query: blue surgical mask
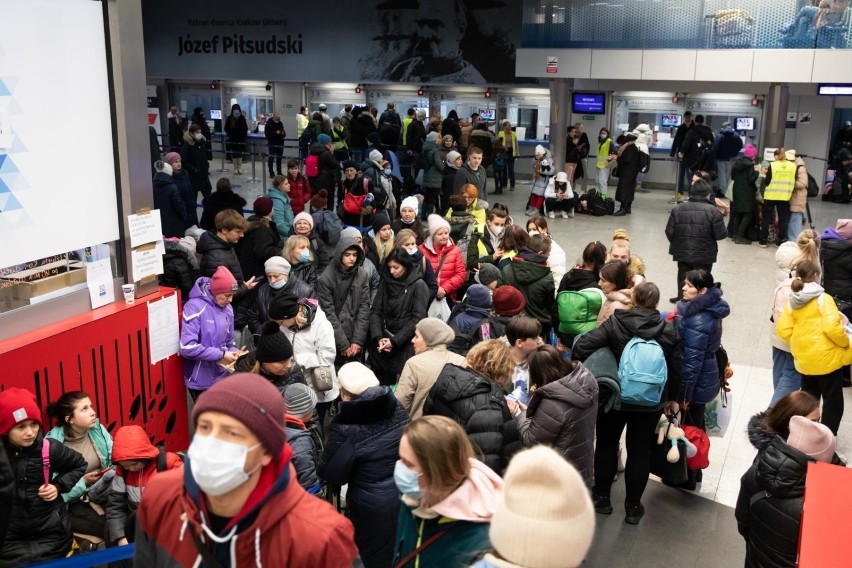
(304, 256)
(407, 481)
(278, 285)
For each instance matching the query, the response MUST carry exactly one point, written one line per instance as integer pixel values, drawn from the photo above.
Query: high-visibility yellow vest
(783, 181)
(502, 137)
(405, 122)
(603, 153)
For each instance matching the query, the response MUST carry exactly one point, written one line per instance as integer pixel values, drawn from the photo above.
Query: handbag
(320, 378)
(614, 172)
(353, 204)
(670, 473)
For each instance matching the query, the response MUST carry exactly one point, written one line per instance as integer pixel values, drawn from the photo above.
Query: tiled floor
(747, 277)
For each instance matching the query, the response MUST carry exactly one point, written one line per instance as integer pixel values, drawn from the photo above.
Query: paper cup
(129, 291)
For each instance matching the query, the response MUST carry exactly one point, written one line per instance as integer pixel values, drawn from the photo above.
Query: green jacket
(103, 445)
(460, 547)
(535, 282)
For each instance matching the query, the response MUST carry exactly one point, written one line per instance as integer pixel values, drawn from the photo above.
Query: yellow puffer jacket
(818, 342)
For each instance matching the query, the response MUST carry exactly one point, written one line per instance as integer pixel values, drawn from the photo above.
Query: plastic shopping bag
(717, 415)
(439, 309)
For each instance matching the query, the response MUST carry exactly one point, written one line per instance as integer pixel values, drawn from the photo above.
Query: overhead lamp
(755, 101)
(488, 93)
(212, 86)
(420, 91)
(676, 98)
(358, 89)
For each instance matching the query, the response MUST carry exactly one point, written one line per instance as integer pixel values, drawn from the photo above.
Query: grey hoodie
(810, 291)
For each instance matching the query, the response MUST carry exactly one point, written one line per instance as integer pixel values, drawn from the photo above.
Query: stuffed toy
(667, 428)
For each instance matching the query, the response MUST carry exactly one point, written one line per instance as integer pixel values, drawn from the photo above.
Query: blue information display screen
(589, 103)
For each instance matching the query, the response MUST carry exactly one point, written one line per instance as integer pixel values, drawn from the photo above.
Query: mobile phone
(106, 469)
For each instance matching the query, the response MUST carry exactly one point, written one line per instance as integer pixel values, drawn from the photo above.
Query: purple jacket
(208, 331)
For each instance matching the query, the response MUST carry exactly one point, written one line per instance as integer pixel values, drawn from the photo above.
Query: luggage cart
(732, 29)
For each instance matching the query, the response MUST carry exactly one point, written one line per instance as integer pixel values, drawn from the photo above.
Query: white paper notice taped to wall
(163, 328)
(145, 228)
(146, 263)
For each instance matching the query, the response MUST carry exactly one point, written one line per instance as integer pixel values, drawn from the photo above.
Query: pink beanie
(844, 228)
(811, 438)
(223, 282)
(750, 151)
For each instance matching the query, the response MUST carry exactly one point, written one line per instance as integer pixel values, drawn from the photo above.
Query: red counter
(826, 519)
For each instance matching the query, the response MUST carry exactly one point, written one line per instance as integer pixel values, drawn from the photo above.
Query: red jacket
(453, 272)
(300, 193)
(291, 528)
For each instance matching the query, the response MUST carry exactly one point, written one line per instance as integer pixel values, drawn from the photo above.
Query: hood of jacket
(810, 291)
(758, 434)
(255, 222)
(831, 235)
(642, 322)
(431, 246)
(476, 498)
(781, 470)
(412, 276)
(374, 404)
(459, 223)
(711, 301)
(174, 248)
(531, 256)
(161, 179)
(578, 388)
(464, 384)
(343, 244)
(201, 289)
(132, 443)
(209, 241)
(528, 272)
(579, 279)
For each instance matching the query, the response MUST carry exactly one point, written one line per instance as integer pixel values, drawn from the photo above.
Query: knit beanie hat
(432, 136)
(508, 301)
(320, 200)
(283, 306)
(272, 345)
(452, 156)
(255, 402)
(447, 138)
(17, 405)
(348, 164)
(844, 154)
(700, 188)
(171, 158)
(813, 439)
(410, 202)
(304, 217)
(437, 222)
(324, 139)
(750, 151)
(299, 399)
(277, 265)
(262, 206)
(487, 274)
(435, 332)
(540, 152)
(380, 220)
(844, 229)
(790, 155)
(373, 138)
(223, 282)
(351, 233)
(478, 296)
(544, 501)
(376, 156)
(355, 378)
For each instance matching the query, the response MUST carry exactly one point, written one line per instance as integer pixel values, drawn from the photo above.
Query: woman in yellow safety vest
(510, 142)
(778, 187)
(606, 154)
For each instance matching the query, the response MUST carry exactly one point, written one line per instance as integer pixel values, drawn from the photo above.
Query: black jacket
(693, 229)
(193, 157)
(836, 256)
(258, 313)
(680, 135)
(628, 171)
(39, 530)
(271, 131)
(260, 243)
(180, 269)
(168, 200)
(362, 450)
(344, 296)
(769, 506)
(176, 129)
(7, 493)
(578, 279)
(216, 202)
(451, 126)
(305, 271)
(236, 128)
(415, 136)
(359, 127)
(215, 253)
(744, 177)
(329, 171)
(624, 325)
(479, 405)
(691, 149)
(188, 195)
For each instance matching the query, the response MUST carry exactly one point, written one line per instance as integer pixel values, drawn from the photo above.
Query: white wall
(814, 138)
(292, 94)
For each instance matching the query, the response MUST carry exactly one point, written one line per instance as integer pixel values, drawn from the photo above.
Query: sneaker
(531, 211)
(603, 505)
(741, 241)
(762, 244)
(565, 214)
(551, 215)
(633, 513)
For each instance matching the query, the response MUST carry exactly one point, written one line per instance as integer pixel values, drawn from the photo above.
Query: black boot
(629, 208)
(622, 211)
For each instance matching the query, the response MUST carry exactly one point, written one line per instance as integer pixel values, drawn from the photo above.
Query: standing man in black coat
(693, 231)
(275, 134)
(194, 159)
(168, 200)
(677, 149)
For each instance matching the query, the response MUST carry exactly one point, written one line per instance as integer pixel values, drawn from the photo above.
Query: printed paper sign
(145, 229)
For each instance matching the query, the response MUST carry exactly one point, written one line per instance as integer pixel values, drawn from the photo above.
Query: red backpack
(312, 166)
(698, 437)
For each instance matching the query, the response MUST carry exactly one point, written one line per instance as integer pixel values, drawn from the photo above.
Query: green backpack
(578, 311)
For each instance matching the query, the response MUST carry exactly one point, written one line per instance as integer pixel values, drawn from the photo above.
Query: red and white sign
(552, 64)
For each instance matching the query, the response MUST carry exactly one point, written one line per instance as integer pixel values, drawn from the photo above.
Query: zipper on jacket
(419, 541)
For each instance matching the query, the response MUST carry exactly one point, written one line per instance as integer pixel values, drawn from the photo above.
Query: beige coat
(800, 190)
(419, 376)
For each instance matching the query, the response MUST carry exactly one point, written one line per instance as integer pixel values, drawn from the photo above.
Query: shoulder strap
(161, 459)
(416, 552)
(45, 459)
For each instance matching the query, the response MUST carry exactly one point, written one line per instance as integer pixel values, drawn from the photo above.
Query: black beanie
(273, 346)
(284, 306)
(379, 221)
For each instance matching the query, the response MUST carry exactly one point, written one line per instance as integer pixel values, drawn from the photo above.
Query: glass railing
(687, 24)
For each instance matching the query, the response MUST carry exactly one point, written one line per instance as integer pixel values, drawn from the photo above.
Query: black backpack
(464, 341)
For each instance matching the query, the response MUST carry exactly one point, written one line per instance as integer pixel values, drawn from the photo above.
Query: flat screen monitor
(487, 113)
(670, 120)
(216, 114)
(745, 123)
(588, 103)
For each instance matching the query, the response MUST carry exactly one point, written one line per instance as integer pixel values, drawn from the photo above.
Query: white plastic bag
(717, 415)
(439, 309)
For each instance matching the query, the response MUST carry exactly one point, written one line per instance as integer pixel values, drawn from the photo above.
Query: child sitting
(39, 527)
(138, 460)
(300, 402)
(473, 205)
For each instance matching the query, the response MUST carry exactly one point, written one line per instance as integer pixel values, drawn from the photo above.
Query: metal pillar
(560, 113)
(775, 115)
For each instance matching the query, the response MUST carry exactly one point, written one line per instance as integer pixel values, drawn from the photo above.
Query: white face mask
(218, 466)
(278, 285)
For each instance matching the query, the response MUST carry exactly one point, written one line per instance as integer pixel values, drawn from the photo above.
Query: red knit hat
(17, 405)
(263, 206)
(255, 402)
(508, 301)
(223, 282)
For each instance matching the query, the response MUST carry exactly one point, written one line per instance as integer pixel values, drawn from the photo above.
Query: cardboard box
(28, 284)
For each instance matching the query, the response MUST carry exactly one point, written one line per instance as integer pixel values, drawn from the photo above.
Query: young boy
(523, 333)
(39, 527)
(529, 273)
(302, 433)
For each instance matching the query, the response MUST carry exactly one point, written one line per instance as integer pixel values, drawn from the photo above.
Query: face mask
(216, 465)
(199, 137)
(278, 285)
(407, 481)
(304, 256)
(411, 250)
(236, 114)
(602, 138)
(387, 173)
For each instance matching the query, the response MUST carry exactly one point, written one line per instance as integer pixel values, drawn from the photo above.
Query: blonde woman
(620, 250)
(791, 253)
(380, 239)
(297, 251)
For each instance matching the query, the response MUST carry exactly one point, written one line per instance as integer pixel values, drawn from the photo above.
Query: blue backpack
(642, 372)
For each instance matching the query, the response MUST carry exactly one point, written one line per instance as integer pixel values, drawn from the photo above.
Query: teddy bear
(667, 428)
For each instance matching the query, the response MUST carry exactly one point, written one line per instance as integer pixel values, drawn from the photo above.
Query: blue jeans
(795, 225)
(785, 377)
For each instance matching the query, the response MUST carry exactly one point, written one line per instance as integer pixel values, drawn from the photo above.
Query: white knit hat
(435, 223)
(452, 156)
(277, 265)
(432, 136)
(545, 517)
(539, 150)
(356, 377)
(376, 156)
(410, 202)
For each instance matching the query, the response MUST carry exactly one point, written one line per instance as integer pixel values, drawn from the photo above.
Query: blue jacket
(168, 200)
(103, 446)
(362, 450)
(208, 331)
(700, 328)
(282, 211)
(728, 144)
